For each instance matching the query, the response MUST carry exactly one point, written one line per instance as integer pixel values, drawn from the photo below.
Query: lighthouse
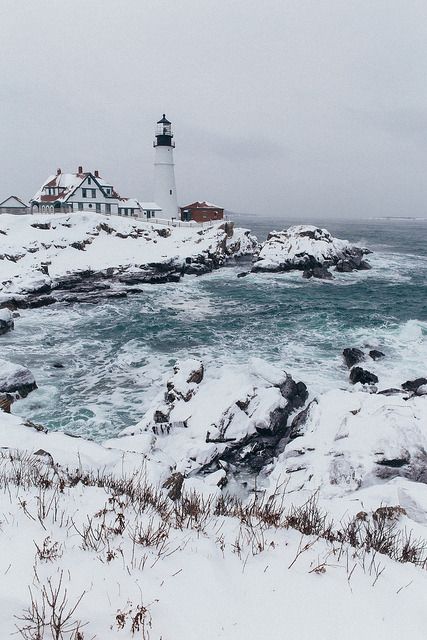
(164, 174)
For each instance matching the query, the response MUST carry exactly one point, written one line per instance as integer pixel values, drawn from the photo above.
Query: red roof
(202, 205)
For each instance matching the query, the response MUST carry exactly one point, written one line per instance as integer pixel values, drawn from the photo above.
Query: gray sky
(304, 108)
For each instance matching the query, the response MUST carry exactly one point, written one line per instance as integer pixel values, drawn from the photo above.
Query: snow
(213, 575)
(232, 578)
(14, 376)
(130, 244)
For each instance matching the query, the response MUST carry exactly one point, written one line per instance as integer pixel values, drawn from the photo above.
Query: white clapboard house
(84, 191)
(14, 205)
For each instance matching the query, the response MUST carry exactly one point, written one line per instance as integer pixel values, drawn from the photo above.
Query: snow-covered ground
(38, 252)
(241, 505)
(85, 518)
(84, 524)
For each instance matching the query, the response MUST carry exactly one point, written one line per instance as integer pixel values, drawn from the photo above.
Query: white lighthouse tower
(164, 174)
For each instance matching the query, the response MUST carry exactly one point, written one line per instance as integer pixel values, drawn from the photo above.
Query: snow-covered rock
(309, 249)
(6, 321)
(67, 256)
(230, 416)
(349, 441)
(14, 378)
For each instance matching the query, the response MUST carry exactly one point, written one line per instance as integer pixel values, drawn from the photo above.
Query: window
(108, 191)
(84, 193)
(170, 191)
(89, 181)
(93, 193)
(108, 208)
(98, 207)
(80, 206)
(90, 206)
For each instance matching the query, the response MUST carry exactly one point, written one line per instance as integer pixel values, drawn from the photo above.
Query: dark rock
(390, 392)
(352, 356)
(6, 321)
(412, 385)
(6, 401)
(162, 416)
(163, 232)
(395, 463)
(243, 274)
(357, 374)
(318, 272)
(41, 225)
(42, 301)
(376, 355)
(196, 376)
(298, 423)
(34, 425)
(58, 365)
(197, 269)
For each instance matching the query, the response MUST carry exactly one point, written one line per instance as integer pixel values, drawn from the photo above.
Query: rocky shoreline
(88, 258)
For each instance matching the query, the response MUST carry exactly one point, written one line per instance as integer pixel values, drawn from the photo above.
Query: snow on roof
(68, 183)
(150, 206)
(13, 201)
(129, 202)
(202, 205)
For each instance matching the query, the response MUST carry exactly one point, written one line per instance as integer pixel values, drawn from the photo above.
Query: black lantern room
(164, 133)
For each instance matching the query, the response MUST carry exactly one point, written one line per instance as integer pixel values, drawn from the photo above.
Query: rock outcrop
(15, 378)
(232, 418)
(308, 249)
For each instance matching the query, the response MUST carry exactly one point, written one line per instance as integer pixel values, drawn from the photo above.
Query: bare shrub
(48, 551)
(137, 619)
(50, 611)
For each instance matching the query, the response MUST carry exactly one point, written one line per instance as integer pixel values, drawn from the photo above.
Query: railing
(169, 222)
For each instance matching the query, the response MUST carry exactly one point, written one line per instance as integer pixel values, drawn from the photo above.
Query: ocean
(115, 355)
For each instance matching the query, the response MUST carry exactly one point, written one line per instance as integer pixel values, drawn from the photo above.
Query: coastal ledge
(89, 256)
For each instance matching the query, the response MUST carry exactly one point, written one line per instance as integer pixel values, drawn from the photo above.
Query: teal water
(116, 355)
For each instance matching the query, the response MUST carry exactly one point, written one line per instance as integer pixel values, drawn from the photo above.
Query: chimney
(80, 169)
(96, 173)
(58, 172)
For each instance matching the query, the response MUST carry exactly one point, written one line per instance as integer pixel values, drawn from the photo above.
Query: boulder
(6, 321)
(412, 385)
(15, 378)
(376, 355)
(357, 374)
(352, 356)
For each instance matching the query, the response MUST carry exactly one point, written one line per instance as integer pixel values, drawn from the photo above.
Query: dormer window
(89, 181)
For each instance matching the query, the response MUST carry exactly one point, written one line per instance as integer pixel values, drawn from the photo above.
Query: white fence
(173, 222)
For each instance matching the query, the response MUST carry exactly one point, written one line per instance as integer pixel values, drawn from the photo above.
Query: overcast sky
(304, 108)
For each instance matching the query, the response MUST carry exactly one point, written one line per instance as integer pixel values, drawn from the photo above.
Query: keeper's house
(201, 212)
(14, 205)
(82, 191)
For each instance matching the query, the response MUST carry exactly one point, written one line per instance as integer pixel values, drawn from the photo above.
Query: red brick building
(201, 212)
